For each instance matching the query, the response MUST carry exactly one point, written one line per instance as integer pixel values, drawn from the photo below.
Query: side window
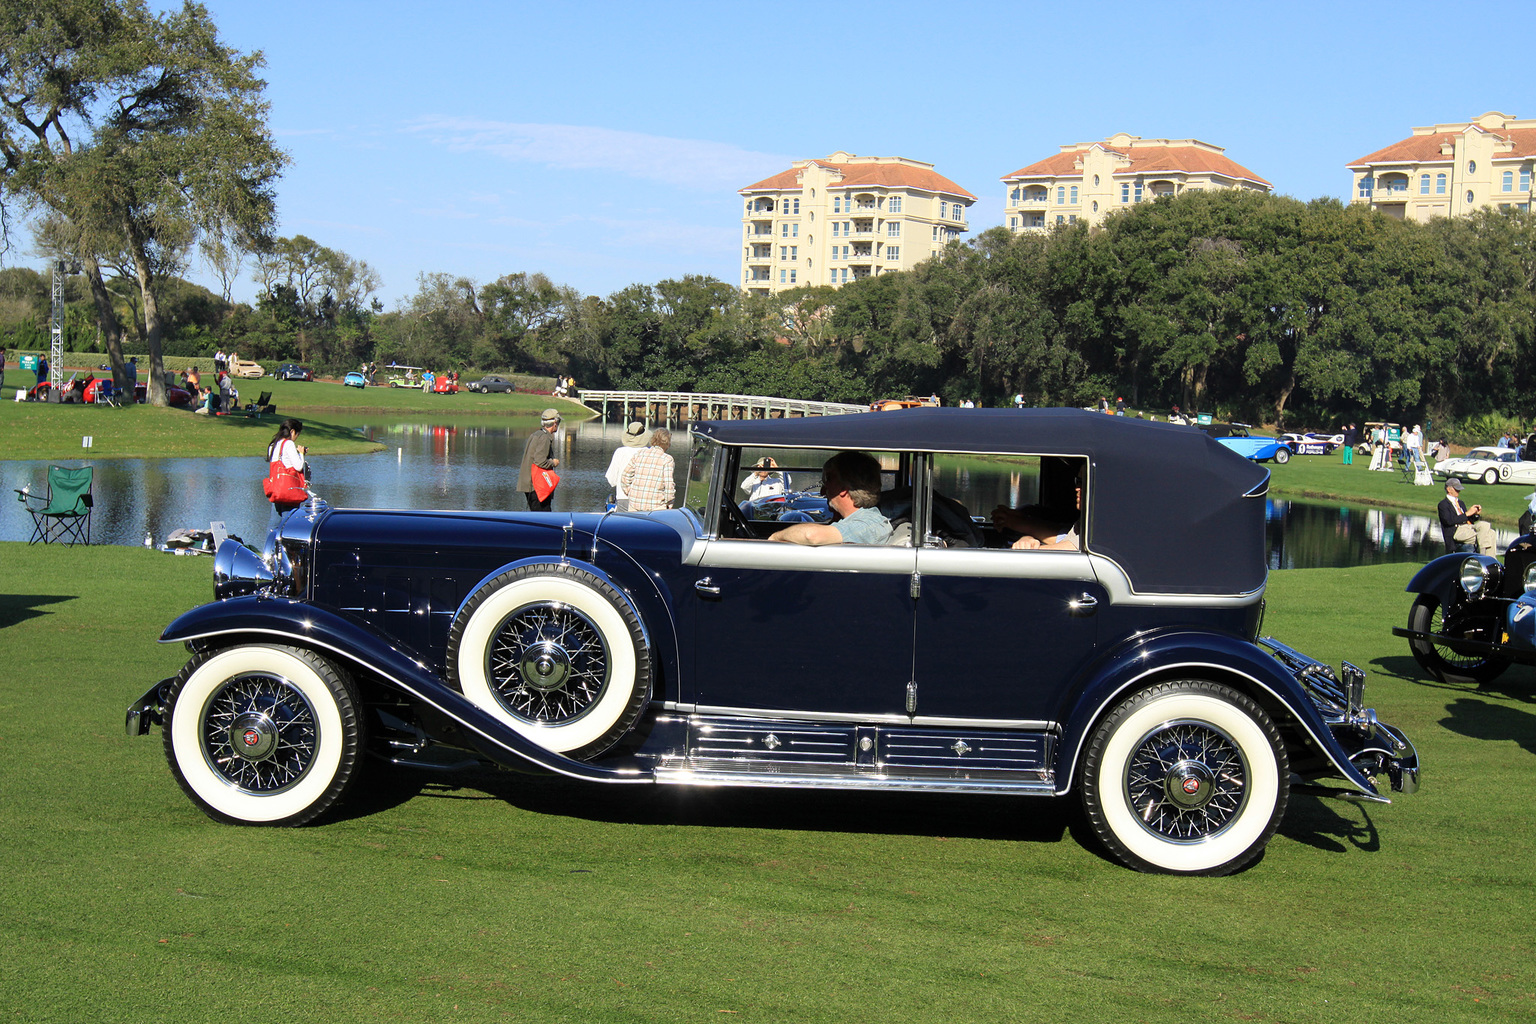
(1001, 500)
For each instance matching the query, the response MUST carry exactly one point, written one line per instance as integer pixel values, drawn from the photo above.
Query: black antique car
(1474, 615)
(618, 648)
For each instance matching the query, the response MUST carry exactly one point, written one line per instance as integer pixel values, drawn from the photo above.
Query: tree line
(134, 142)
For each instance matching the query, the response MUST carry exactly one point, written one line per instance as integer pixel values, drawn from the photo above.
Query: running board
(682, 773)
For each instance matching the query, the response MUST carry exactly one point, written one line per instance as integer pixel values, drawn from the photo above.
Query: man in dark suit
(1466, 524)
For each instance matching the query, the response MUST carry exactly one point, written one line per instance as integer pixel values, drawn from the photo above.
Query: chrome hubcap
(259, 733)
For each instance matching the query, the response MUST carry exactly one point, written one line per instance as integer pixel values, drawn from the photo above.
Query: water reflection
(473, 464)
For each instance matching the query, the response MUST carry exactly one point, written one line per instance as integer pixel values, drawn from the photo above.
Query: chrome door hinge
(917, 585)
(912, 697)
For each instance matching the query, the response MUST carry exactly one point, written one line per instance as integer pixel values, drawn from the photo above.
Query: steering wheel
(734, 523)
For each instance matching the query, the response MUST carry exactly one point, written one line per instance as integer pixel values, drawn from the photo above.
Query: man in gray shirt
(850, 481)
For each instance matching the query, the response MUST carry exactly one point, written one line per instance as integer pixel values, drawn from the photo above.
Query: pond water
(473, 464)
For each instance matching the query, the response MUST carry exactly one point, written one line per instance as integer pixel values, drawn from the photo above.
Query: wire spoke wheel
(555, 653)
(1188, 777)
(1428, 616)
(259, 733)
(1187, 781)
(547, 663)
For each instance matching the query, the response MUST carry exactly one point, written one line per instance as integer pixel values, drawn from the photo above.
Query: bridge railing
(687, 406)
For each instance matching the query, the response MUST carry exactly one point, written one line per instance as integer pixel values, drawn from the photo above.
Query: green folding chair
(65, 514)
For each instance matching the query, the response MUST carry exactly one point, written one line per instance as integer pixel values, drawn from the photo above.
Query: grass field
(36, 430)
(491, 896)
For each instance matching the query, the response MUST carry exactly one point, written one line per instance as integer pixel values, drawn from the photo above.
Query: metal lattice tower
(56, 323)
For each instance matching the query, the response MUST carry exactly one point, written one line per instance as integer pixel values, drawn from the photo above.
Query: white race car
(1489, 466)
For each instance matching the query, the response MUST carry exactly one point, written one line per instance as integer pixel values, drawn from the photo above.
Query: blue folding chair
(65, 513)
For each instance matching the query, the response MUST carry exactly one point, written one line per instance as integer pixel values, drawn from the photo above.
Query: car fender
(1442, 576)
(332, 633)
(1217, 656)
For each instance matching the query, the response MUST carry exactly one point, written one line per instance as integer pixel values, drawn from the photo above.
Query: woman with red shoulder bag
(286, 486)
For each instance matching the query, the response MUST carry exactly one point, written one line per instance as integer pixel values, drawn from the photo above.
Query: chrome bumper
(1374, 747)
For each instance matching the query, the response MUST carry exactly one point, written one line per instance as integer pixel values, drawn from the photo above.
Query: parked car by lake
(1489, 465)
(1125, 673)
(491, 383)
(355, 379)
(293, 371)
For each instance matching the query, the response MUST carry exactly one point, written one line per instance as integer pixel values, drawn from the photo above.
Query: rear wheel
(1427, 616)
(262, 734)
(1186, 778)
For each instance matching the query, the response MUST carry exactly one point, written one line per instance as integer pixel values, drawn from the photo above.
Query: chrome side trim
(1121, 592)
(1007, 563)
(928, 721)
(765, 554)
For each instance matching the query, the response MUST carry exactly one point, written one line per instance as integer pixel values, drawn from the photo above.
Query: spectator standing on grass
(42, 368)
(2, 366)
(649, 479)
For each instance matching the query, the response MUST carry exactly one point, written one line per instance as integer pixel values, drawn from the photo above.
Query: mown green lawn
(492, 896)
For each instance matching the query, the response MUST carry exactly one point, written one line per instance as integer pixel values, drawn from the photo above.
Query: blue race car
(1260, 449)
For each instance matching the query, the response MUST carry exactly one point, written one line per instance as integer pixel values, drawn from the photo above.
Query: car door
(1000, 634)
(824, 632)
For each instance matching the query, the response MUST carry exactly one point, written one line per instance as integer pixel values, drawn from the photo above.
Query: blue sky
(603, 143)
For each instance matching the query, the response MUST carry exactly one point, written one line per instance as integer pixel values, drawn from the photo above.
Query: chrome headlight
(1530, 578)
(1474, 575)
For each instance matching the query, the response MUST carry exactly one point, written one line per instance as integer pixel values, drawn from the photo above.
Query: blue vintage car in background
(1236, 437)
(619, 648)
(355, 379)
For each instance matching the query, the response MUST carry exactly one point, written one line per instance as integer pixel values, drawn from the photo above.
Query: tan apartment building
(1089, 180)
(846, 217)
(1449, 169)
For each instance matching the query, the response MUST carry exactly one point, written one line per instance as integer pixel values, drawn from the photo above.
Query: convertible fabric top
(1180, 513)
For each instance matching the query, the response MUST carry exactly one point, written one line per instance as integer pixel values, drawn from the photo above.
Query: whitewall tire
(263, 734)
(556, 654)
(1186, 778)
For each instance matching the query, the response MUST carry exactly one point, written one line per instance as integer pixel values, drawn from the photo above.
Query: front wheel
(1490, 476)
(262, 734)
(1282, 455)
(1186, 778)
(1427, 616)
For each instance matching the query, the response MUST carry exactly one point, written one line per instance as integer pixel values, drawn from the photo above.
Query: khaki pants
(1481, 534)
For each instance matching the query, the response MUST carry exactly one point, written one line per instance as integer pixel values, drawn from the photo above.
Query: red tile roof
(1148, 160)
(878, 175)
(1425, 149)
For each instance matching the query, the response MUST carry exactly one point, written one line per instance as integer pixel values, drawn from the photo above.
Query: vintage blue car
(355, 379)
(1126, 673)
(1474, 615)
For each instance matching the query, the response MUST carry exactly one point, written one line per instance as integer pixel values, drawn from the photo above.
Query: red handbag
(544, 482)
(284, 485)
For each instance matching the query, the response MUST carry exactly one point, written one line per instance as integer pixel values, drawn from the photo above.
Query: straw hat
(636, 436)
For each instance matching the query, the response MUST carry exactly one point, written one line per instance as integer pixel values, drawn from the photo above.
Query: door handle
(1083, 604)
(707, 587)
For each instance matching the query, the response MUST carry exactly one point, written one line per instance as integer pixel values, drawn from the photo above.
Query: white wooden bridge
(689, 406)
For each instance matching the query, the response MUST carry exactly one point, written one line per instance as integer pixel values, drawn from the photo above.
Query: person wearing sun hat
(635, 438)
(539, 450)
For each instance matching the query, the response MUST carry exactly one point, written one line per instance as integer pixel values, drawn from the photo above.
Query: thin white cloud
(692, 164)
